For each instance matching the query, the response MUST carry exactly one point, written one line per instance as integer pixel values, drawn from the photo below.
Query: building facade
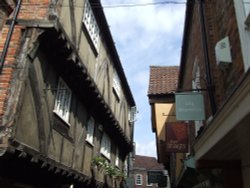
(215, 62)
(141, 166)
(66, 109)
(161, 93)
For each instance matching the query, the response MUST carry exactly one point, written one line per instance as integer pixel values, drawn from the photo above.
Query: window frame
(63, 111)
(148, 184)
(138, 179)
(90, 130)
(116, 85)
(91, 26)
(105, 149)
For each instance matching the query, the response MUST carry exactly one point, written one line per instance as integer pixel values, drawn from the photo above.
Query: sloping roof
(103, 25)
(163, 79)
(147, 163)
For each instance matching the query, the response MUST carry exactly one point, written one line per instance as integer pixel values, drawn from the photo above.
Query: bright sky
(144, 36)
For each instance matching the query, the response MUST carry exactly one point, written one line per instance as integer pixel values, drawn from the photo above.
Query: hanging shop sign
(189, 106)
(177, 137)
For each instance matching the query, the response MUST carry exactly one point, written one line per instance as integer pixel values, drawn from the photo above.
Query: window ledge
(59, 116)
(62, 127)
(89, 143)
(104, 155)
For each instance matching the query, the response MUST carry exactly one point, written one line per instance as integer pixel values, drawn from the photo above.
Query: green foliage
(102, 163)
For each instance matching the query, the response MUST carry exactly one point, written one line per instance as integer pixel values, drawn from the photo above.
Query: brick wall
(220, 22)
(144, 180)
(30, 10)
(34, 9)
(194, 53)
(9, 64)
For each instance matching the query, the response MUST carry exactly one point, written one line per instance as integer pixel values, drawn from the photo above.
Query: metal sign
(189, 106)
(177, 137)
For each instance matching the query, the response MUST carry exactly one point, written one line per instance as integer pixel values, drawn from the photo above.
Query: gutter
(10, 32)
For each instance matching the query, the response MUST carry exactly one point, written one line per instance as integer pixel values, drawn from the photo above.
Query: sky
(144, 36)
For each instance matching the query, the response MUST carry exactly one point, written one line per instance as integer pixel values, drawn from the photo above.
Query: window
(246, 6)
(149, 184)
(105, 145)
(63, 100)
(117, 157)
(241, 6)
(90, 130)
(91, 24)
(138, 179)
(132, 114)
(116, 85)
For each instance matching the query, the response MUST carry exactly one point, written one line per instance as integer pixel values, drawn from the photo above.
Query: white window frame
(148, 184)
(91, 24)
(90, 130)
(117, 85)
(105, 146)
(63, 100)
(243, 32)
(138, 179)
(132, 114)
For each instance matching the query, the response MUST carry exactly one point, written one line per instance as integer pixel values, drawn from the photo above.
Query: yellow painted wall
(165, 112)
(162, 112)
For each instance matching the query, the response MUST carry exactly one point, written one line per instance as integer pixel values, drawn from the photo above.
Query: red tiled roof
(149, 163)
(163, 79)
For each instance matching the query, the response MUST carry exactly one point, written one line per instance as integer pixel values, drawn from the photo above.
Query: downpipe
(9, 35)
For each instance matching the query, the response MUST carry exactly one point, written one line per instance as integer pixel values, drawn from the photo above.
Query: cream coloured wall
(164, 112)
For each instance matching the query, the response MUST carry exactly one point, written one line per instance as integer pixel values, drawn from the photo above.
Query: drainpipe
(206, 59)
(10, 32)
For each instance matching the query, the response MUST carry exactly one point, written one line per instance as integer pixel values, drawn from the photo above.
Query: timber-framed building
(64, 98)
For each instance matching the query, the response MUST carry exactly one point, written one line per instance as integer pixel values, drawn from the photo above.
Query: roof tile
(163, 79)
(149, 163)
